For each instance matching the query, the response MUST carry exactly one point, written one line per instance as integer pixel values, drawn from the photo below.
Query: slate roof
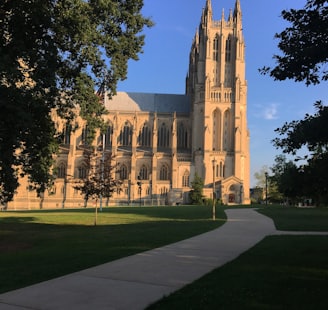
(147, 102)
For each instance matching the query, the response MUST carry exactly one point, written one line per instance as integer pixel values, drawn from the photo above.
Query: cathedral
(160, 142)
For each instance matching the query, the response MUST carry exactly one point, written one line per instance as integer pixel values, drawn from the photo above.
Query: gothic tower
(218, 89)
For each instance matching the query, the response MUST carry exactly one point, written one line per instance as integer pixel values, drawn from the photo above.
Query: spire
(208, 6)
(237, 10)
(237, 15)
(230, 16)
(207, 13)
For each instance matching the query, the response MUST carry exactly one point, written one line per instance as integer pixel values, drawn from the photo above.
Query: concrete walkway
(136, 281)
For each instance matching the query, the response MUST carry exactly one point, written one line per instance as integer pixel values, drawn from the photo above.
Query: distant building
(166, 139)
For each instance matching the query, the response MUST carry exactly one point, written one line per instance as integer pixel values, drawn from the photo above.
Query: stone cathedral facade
(163, 140)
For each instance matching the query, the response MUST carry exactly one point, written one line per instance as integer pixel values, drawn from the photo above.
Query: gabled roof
(160, 103)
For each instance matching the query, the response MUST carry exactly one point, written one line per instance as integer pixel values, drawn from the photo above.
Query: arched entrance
(232, 193)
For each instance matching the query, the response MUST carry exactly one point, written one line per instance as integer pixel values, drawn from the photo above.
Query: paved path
(136, 281)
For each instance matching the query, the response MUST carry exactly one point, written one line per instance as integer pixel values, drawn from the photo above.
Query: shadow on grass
(33, 251)
(281, 272)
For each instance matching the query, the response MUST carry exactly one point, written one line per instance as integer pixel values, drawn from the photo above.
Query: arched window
(163, 136)
(185, 179)
(143, 173)
(109, 136)
(164, 173)
(216, 130)
(182, 137)
(228, 50)
(123, 172)
(82, 172)
(216, 48)
(145, 136)
(163, 191)
(61, 172)
(85, 135)
(67, 134)
(227, 143)
(126, 135)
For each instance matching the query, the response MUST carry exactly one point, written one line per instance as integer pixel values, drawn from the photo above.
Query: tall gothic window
(221, 170)
(216, 48)
(182, 137)
(216, 130)
(145, 136)
(163, 136)
(164, 173)
(123, 172)
(143, 173)
(126, 135)
(85, 135)
(61, 171)
(227, 131)
(67, 134)
(109, 136)
(185, 179)
(228, 50)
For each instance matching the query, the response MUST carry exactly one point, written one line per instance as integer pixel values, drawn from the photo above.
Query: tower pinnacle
(207, 12)
(237, 10)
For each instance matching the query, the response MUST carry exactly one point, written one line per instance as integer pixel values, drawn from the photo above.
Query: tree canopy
(99, 180)
(287, 179)
(303, 45)
(305, 53)
(53, 55)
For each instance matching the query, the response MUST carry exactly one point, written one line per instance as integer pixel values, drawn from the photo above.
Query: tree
(265, 182)
(305, 54)
(288, 178)
(304, 45)
(260, 176)
(53, 55)
(196, 194)
(310, 133)
(99, 180)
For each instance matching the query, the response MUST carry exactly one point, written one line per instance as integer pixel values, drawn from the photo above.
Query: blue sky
(163, 65)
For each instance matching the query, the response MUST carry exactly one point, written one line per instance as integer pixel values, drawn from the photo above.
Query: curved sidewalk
(136, 281)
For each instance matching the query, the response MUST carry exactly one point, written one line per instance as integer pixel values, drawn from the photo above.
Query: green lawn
(40, 245)
(281, 272)
(298, 219)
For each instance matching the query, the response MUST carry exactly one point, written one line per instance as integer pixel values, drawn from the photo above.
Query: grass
(40, 245)
(281, 272)
(287, 272)
(298, 219)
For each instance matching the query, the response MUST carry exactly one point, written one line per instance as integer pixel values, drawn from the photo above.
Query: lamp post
(213, 208)
(266, 188)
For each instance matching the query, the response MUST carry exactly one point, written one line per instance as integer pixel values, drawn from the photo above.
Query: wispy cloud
(267, 112)
(271, 112)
